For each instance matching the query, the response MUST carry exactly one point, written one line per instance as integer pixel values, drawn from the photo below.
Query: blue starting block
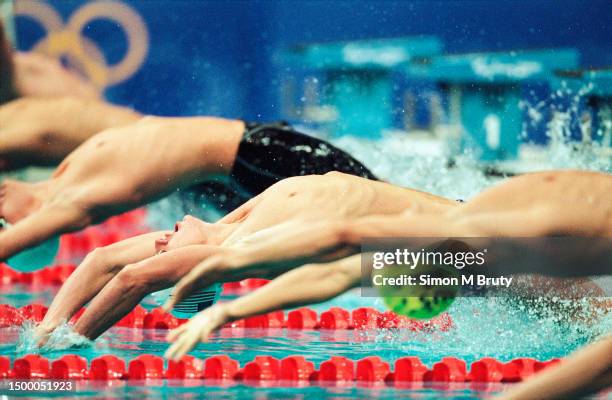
(483, 91)
(348, 86)
(587, 94)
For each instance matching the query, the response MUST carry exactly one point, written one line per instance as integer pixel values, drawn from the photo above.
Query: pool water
(512, 333)
(483, 327)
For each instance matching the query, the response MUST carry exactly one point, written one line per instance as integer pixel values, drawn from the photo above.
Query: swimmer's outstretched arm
(96, 270)
(127, 288)
(587, 371)
(297, 243)
(40, 226)
(277, 250)
(313, 283)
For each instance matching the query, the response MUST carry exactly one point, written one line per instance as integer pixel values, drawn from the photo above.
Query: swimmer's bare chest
(338, 195)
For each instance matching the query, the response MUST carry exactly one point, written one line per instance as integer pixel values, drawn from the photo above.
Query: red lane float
(487, 370)
(8, 275)
(188, 367)
(449, 369)
(337, 369)
(372, 369)
(262, 368)
(271, 320)
(31, 366)
(5, 367)
(365, 318)
(335, 318)
(69, 367)
(304, 318)
(269, 369)
(220, 367)
(159, 319)
(540, 365)
(519, 369)
(34, 312)
(296, 368)
(107, 368)
(409, 369)
(10, 316)
(57, 274)
(134, 319)
(146, 366)
(76, 245)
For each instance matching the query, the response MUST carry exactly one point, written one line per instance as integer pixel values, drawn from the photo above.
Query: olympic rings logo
(67, 39)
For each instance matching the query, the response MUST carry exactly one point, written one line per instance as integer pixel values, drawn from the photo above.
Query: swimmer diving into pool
(122, 159)
(47, 110)
(32, 74)
(122, 168)
(542, 204)
(313, 219)
(118, 276)
(572, 203)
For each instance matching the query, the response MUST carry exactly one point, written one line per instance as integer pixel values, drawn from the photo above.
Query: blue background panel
(216, 57)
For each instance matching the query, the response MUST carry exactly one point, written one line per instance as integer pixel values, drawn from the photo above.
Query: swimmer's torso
(172, 152)
(332, 196)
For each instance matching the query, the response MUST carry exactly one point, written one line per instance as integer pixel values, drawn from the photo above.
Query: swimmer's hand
(41, 334)
(197, 329)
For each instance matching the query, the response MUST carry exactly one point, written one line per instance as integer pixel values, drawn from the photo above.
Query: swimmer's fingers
(175, 333)
(197, 329)
(183, 345)
(41, 335)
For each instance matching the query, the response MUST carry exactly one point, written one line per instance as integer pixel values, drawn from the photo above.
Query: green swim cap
(420, 301)
(424, 307)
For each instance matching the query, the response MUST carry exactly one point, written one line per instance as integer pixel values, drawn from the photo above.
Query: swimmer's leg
(134, 282)
(96, 270)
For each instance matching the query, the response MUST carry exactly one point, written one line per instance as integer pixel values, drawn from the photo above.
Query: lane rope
(270, 369)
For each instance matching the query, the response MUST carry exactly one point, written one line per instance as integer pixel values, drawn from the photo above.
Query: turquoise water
(483, 327)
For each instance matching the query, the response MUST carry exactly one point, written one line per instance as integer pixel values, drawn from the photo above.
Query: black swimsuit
(267, 154)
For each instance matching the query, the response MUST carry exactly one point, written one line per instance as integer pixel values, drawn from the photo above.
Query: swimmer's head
(7, 88)
(190, 231)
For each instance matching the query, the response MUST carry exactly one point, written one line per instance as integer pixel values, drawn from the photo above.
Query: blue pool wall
(215, 57)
